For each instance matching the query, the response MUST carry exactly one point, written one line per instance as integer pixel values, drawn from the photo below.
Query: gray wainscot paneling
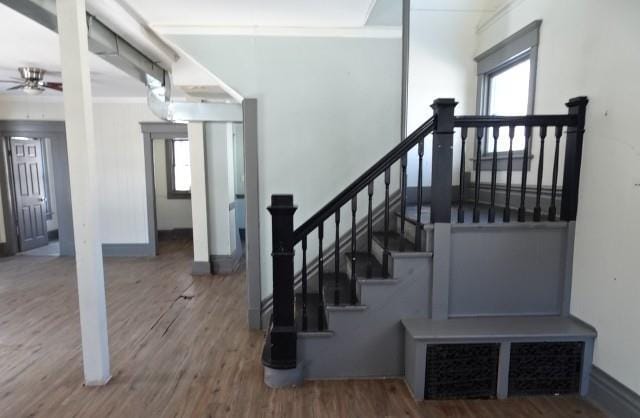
(508, 269)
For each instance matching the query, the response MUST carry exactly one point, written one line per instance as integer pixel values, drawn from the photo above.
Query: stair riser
(410, 233)
(368, 341)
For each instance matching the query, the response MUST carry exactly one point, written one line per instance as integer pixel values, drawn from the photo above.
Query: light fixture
(32, 90)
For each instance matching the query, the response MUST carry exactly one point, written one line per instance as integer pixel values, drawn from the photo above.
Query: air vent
(545, 368)
(461, 371)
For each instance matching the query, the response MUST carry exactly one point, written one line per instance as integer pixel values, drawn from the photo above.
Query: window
(506, 87)
(178, 169)
(508, 95)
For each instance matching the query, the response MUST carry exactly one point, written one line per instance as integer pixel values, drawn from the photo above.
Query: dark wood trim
(501, 190)
(363, 181)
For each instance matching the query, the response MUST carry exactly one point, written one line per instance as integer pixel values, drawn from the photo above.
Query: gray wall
(508, 269)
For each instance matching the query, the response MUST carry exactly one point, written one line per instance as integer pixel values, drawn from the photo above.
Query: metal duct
(114, 49)
(102, 40)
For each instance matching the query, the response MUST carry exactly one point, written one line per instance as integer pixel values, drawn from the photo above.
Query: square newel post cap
(282, 203)
(443, 110)
(577, 101)
(443, 102)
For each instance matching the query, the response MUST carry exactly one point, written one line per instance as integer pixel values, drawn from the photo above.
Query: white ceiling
(27, 43)
(274, 13)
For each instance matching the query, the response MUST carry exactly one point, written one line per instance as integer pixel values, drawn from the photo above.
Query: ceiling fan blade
(10, 81)
(18, 87)
(53, 85)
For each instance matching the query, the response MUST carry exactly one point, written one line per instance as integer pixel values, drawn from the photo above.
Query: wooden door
(28, 180)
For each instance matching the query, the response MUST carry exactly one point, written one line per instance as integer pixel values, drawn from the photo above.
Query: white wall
(327, 109)
(219, 153)
(441, 51)
(588, 47)
(123, 213)
(170, 213)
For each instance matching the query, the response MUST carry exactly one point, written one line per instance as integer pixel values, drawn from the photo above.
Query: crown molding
(381, 32)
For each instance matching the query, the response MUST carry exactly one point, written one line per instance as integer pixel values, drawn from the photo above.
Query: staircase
(473, 308)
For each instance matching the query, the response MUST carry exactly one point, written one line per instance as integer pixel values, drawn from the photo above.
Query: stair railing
(281, 352)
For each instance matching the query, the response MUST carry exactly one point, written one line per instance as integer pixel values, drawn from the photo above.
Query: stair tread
(367, 266)
(497, 327)
(343, 288)
(313, 313)
(396, 242)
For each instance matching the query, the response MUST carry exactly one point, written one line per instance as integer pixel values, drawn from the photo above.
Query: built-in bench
(497, 356)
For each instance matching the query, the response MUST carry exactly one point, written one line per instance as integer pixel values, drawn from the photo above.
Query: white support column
(201, 263)
(74, 54)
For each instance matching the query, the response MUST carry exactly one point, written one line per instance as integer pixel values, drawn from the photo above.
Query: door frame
(162, 130)
(26, 243)
(56, 132)
(156, 131)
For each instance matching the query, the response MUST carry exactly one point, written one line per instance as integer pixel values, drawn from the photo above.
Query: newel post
(283, 333)
(572, 159)
(442, 160)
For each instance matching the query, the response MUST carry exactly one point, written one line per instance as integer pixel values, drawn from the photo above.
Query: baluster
(385, 255)
(463, 135)
(370, 230)
(506, 216)
(336, 255)
(525, 167)
(304, 283)
(494, 171)
(537, 211)
(320, 277)
(554, 182)
(418, 238)
(476, 208)
(354, 208)
(403, 194)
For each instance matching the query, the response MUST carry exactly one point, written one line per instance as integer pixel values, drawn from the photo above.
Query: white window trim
(520, 46)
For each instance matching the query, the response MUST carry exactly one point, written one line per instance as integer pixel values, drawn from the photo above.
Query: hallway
(180, 348)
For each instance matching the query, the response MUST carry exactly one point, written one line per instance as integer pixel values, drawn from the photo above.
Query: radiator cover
(545, 368)
(456, 371)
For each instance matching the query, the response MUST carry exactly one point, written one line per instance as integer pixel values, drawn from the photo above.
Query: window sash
(174, 169)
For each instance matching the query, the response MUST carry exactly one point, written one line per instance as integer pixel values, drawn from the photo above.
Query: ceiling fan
(32, 81)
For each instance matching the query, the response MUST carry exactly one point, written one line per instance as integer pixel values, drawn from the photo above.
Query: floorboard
(180, 347)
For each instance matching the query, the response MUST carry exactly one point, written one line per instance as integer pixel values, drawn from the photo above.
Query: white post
(201, 263)
(74, 54)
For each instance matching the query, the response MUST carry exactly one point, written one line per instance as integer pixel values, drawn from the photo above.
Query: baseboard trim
(200, 268)
(128, 250)
(53, 235)
(175, 233)
(614, 398)
(225, 264)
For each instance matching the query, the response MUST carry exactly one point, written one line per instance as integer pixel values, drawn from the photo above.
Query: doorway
(172, 179)
(34, 189)
(29, 194)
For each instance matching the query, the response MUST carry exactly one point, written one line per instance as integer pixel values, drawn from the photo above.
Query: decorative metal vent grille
(461, 371)
(545, 368)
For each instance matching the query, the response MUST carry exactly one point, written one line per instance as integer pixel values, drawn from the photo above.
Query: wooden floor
(180, 347)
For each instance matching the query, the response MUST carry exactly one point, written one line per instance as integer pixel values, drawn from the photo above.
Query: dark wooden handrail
(529, 120)
(363, 181)
(281, 347)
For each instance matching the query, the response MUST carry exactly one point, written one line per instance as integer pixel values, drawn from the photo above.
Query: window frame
(519, 47)
(172, 193)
